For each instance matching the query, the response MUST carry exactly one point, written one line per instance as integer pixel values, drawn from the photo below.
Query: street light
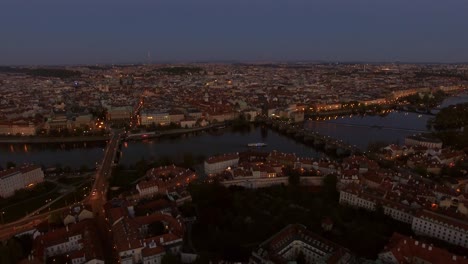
(1, 214)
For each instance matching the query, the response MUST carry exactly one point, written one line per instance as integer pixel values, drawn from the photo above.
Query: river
(356, 130)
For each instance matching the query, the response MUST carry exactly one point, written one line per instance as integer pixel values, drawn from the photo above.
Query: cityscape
(230, 158)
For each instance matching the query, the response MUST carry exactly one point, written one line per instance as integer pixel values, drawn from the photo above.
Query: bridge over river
(374, 126)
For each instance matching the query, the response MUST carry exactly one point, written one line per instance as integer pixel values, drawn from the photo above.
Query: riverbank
(40, 140)
(179, 131)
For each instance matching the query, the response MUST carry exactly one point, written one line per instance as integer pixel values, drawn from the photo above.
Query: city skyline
(55, 33)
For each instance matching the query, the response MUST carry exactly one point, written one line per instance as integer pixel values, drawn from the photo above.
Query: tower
(148, 58)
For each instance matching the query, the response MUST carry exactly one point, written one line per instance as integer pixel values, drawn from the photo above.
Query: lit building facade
(19, 178)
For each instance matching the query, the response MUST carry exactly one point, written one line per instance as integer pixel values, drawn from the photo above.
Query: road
(96, 199)
(98, 196)
(25, 224)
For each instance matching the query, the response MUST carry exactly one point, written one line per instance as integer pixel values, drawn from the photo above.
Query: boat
(256, 145)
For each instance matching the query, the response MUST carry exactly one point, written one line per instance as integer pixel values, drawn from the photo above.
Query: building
(164, 179)
(422, 140)
(83, 120)
(441, 226)
(133, 240)
(219, 163)
(187, 123)
(19, 178)
(119, 114)
(403, 249)
(77, 213)
(286, 159)
(75, 243)
(293, 240)
(157, 118)
(352, 196)
(18, 128)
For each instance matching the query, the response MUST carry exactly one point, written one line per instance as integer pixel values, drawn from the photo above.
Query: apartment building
(165, 179)
(18, 128)
(404, 249)
(152, 117)
(422, 140)
(286, 245)
(440, 226)
(75, 243)
(133, 240)
(19, 178)
(219, 163)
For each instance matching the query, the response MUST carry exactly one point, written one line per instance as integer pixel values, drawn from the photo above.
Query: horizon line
(232, 61)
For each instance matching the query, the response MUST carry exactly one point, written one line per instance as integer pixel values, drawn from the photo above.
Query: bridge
(377, 126)
(96, 199)
(98, 196)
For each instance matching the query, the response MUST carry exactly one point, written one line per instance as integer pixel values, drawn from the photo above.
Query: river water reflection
(356, 130)
(211, 143)
(362, 130)
(50, 155)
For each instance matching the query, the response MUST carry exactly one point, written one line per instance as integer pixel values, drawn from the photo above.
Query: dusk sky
(116, 31)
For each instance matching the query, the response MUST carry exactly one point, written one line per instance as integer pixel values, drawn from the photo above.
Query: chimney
(161, 240)
(66, 227)
(416, 243)
(429, 248)
(423, 245)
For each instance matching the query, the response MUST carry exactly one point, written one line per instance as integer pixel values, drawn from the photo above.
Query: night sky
(117, 31)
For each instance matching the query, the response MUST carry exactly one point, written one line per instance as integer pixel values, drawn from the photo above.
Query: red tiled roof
(23, 169)
(443, 218)
(404, 249)
(221, 158)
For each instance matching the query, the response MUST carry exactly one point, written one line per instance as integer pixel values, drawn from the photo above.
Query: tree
(67, 169)
(58, 168)
(168, 258)
(54, 219)
(141, 166)
(84, 168)
(300, 259)
(294, 177)
(156, 228)
(188, 160)
(26, 242)
(10, 165)
(202, 258)
(14, 250)
(328, 190)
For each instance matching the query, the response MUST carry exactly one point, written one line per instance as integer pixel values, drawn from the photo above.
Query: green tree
(156, 228)
(54, 219)
(84, 168)
(26, 242)
(11, 251)
(10, 165)
(67, 169)
(202, 258)
(188, 160)
(329, 191)
(300, 259)
(294, 177)
(169, 258)
(141, 166)
(58, 168)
